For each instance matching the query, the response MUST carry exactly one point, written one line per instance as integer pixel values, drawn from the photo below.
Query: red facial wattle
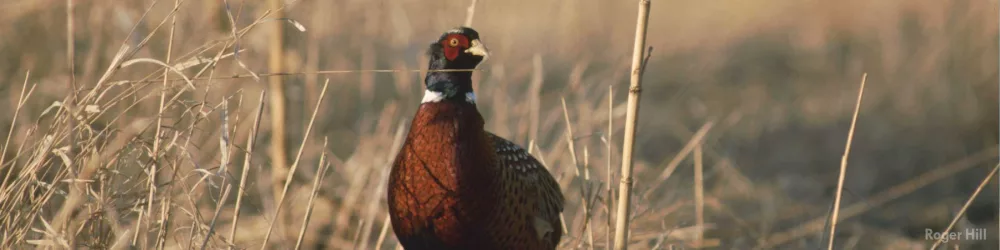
(453, 45)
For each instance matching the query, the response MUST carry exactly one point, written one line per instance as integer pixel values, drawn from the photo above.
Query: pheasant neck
(449, 86)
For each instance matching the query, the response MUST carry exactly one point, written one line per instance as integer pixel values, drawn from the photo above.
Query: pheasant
(453, 185)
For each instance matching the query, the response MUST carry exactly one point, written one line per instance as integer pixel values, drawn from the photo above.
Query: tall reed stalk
(631, 116)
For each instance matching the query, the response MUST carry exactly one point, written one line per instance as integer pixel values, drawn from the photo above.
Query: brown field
(767, 89)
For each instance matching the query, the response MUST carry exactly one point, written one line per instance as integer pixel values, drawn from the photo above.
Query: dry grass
(127, 127)
(843, 166)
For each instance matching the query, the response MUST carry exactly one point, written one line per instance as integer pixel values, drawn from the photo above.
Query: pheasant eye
(453, 42)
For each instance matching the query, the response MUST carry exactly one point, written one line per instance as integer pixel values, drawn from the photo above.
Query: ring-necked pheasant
(454, 185)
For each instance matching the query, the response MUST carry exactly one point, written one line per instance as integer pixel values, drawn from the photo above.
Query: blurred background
(760, 94)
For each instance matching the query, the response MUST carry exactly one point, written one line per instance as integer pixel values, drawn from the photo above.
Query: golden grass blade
(843, 163)
(609, 196)
(534, 92)
(373, 204)
(321, 72)
(699, 194)
(881, 198)
(241, 191)
(357, 234)
(162, 64)
(154, 169)
(968, 202)
(321, 168)
(583, 173)
(21, 99)
(695, 140)
(71, 47)
(199, 60)
(215, 216)
(225, 148)
(386, 224)
(291, 172)
(470, 12)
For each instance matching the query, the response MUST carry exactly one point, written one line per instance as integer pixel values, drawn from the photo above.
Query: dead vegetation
(157, 132)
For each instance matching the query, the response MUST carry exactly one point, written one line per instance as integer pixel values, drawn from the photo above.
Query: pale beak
(479, 49)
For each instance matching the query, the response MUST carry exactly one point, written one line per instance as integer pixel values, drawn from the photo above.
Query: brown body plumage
(454, 185)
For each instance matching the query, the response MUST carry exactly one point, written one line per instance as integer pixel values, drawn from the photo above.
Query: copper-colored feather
(455, 186)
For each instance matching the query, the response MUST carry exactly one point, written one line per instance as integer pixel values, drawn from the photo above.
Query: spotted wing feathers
(525, 176)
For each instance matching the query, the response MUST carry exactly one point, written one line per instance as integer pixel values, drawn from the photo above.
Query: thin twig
(843, 163)
(695, 140)
(71, 48)
(321, 72)
(224, 149)
(162, 64)
(295, 164)
(357, 234)
(154, 168)
(968, 202)
(631, 117)
(883, 197)
(699, 194)
(161, 235)
(609, 199)
(218, 209)
(251, 141)
(585, 179)
(317, 182)
(385, 230)
(373, 205)
(470, 12)
(534, 96)
(21, 99)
